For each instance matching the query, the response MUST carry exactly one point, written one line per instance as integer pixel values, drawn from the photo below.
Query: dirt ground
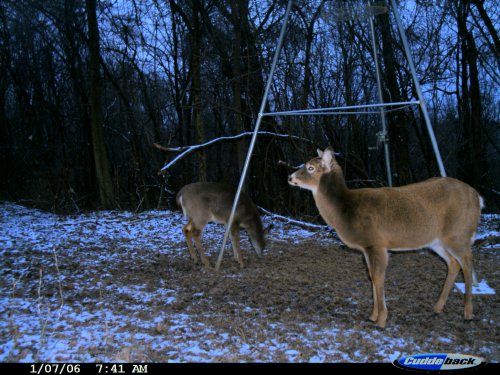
(305, 300)
(329, 287)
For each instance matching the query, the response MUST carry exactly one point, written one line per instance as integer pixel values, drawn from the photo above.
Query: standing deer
(204, 202)
(440, 213)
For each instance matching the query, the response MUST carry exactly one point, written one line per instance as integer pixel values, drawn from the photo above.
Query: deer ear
(320, 153)
(330, 149)
(328, 158)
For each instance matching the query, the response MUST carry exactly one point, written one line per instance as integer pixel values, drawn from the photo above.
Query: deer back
(205, 202)
(405, 217)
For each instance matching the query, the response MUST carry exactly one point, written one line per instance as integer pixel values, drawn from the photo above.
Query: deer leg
(374, 314)
(378, 260)
(197, 240)
(466, 265)
(462, 254)
(188, 233)
(235, 242)
(453, 268)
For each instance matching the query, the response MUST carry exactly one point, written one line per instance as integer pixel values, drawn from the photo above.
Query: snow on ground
(489, 230)
(42, 320)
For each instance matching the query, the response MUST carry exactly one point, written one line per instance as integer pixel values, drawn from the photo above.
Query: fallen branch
(186, 150)
(293, 221)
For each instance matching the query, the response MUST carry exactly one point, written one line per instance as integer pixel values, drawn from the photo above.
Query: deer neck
(332, 197)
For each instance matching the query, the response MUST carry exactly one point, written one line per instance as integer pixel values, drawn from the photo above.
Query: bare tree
(470, 113)
(85, 92)
(100, 157)
(398, 130)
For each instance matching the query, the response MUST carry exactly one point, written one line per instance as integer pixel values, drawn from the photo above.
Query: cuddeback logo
(439, 362)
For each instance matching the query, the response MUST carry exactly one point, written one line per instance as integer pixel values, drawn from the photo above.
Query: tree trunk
(357, 148)
(397, 123)
(236, 78)
(195, 39)
(470, 149)
(99, 147)
(489, 25)
(182, 72)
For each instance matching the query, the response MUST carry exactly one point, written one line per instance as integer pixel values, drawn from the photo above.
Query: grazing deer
(204, 202)
(440, 213)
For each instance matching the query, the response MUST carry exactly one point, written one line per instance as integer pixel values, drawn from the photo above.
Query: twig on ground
(293, 221)
(59, 282)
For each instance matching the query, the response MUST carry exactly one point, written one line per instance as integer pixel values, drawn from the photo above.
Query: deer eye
(310, 168)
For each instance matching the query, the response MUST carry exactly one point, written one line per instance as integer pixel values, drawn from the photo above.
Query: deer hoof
(438, 310)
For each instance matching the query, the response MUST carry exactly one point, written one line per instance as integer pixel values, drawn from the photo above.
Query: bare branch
(186, 150)
(287, 165)
(162, 148)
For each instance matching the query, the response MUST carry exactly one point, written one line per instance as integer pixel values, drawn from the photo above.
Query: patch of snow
(170, 300)
(445, 340)
(481, 288)
(488, 229)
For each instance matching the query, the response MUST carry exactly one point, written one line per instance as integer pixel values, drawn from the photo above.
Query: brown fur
(204, 202)
(440, 213)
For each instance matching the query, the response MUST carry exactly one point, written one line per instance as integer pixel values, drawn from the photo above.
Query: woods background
(87, 87)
